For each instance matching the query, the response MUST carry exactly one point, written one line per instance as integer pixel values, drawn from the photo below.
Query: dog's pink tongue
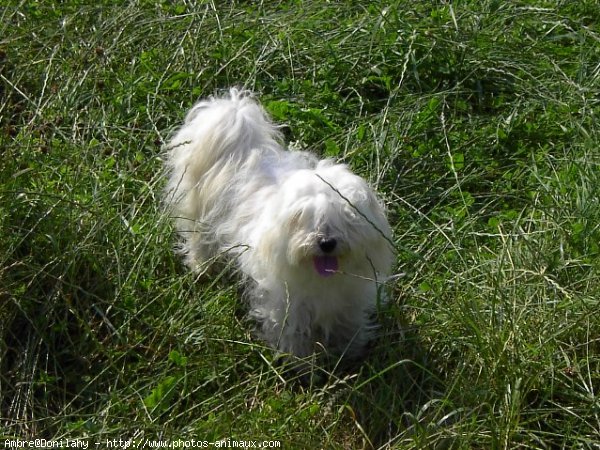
(325, 265)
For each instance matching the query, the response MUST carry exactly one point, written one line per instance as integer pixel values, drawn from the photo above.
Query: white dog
(309, 236)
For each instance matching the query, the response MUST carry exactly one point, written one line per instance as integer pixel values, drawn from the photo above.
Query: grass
(477, 122)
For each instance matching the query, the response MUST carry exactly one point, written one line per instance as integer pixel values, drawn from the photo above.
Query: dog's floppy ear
(381, 252)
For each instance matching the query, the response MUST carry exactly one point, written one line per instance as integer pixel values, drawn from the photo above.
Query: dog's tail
(220, 131)
(216, 138)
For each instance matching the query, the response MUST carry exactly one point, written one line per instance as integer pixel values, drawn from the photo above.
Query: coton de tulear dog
(310, 238)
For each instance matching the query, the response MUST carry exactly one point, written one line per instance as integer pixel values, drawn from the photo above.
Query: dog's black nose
(327, 245)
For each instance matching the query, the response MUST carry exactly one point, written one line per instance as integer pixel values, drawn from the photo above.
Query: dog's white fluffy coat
(310, 238)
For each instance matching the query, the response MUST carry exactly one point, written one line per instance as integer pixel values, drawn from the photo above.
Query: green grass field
(477, 123)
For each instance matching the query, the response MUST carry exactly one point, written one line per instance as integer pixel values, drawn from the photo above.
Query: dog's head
(328, 221)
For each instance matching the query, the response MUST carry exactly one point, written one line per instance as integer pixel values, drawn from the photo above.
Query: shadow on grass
(394, 396)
